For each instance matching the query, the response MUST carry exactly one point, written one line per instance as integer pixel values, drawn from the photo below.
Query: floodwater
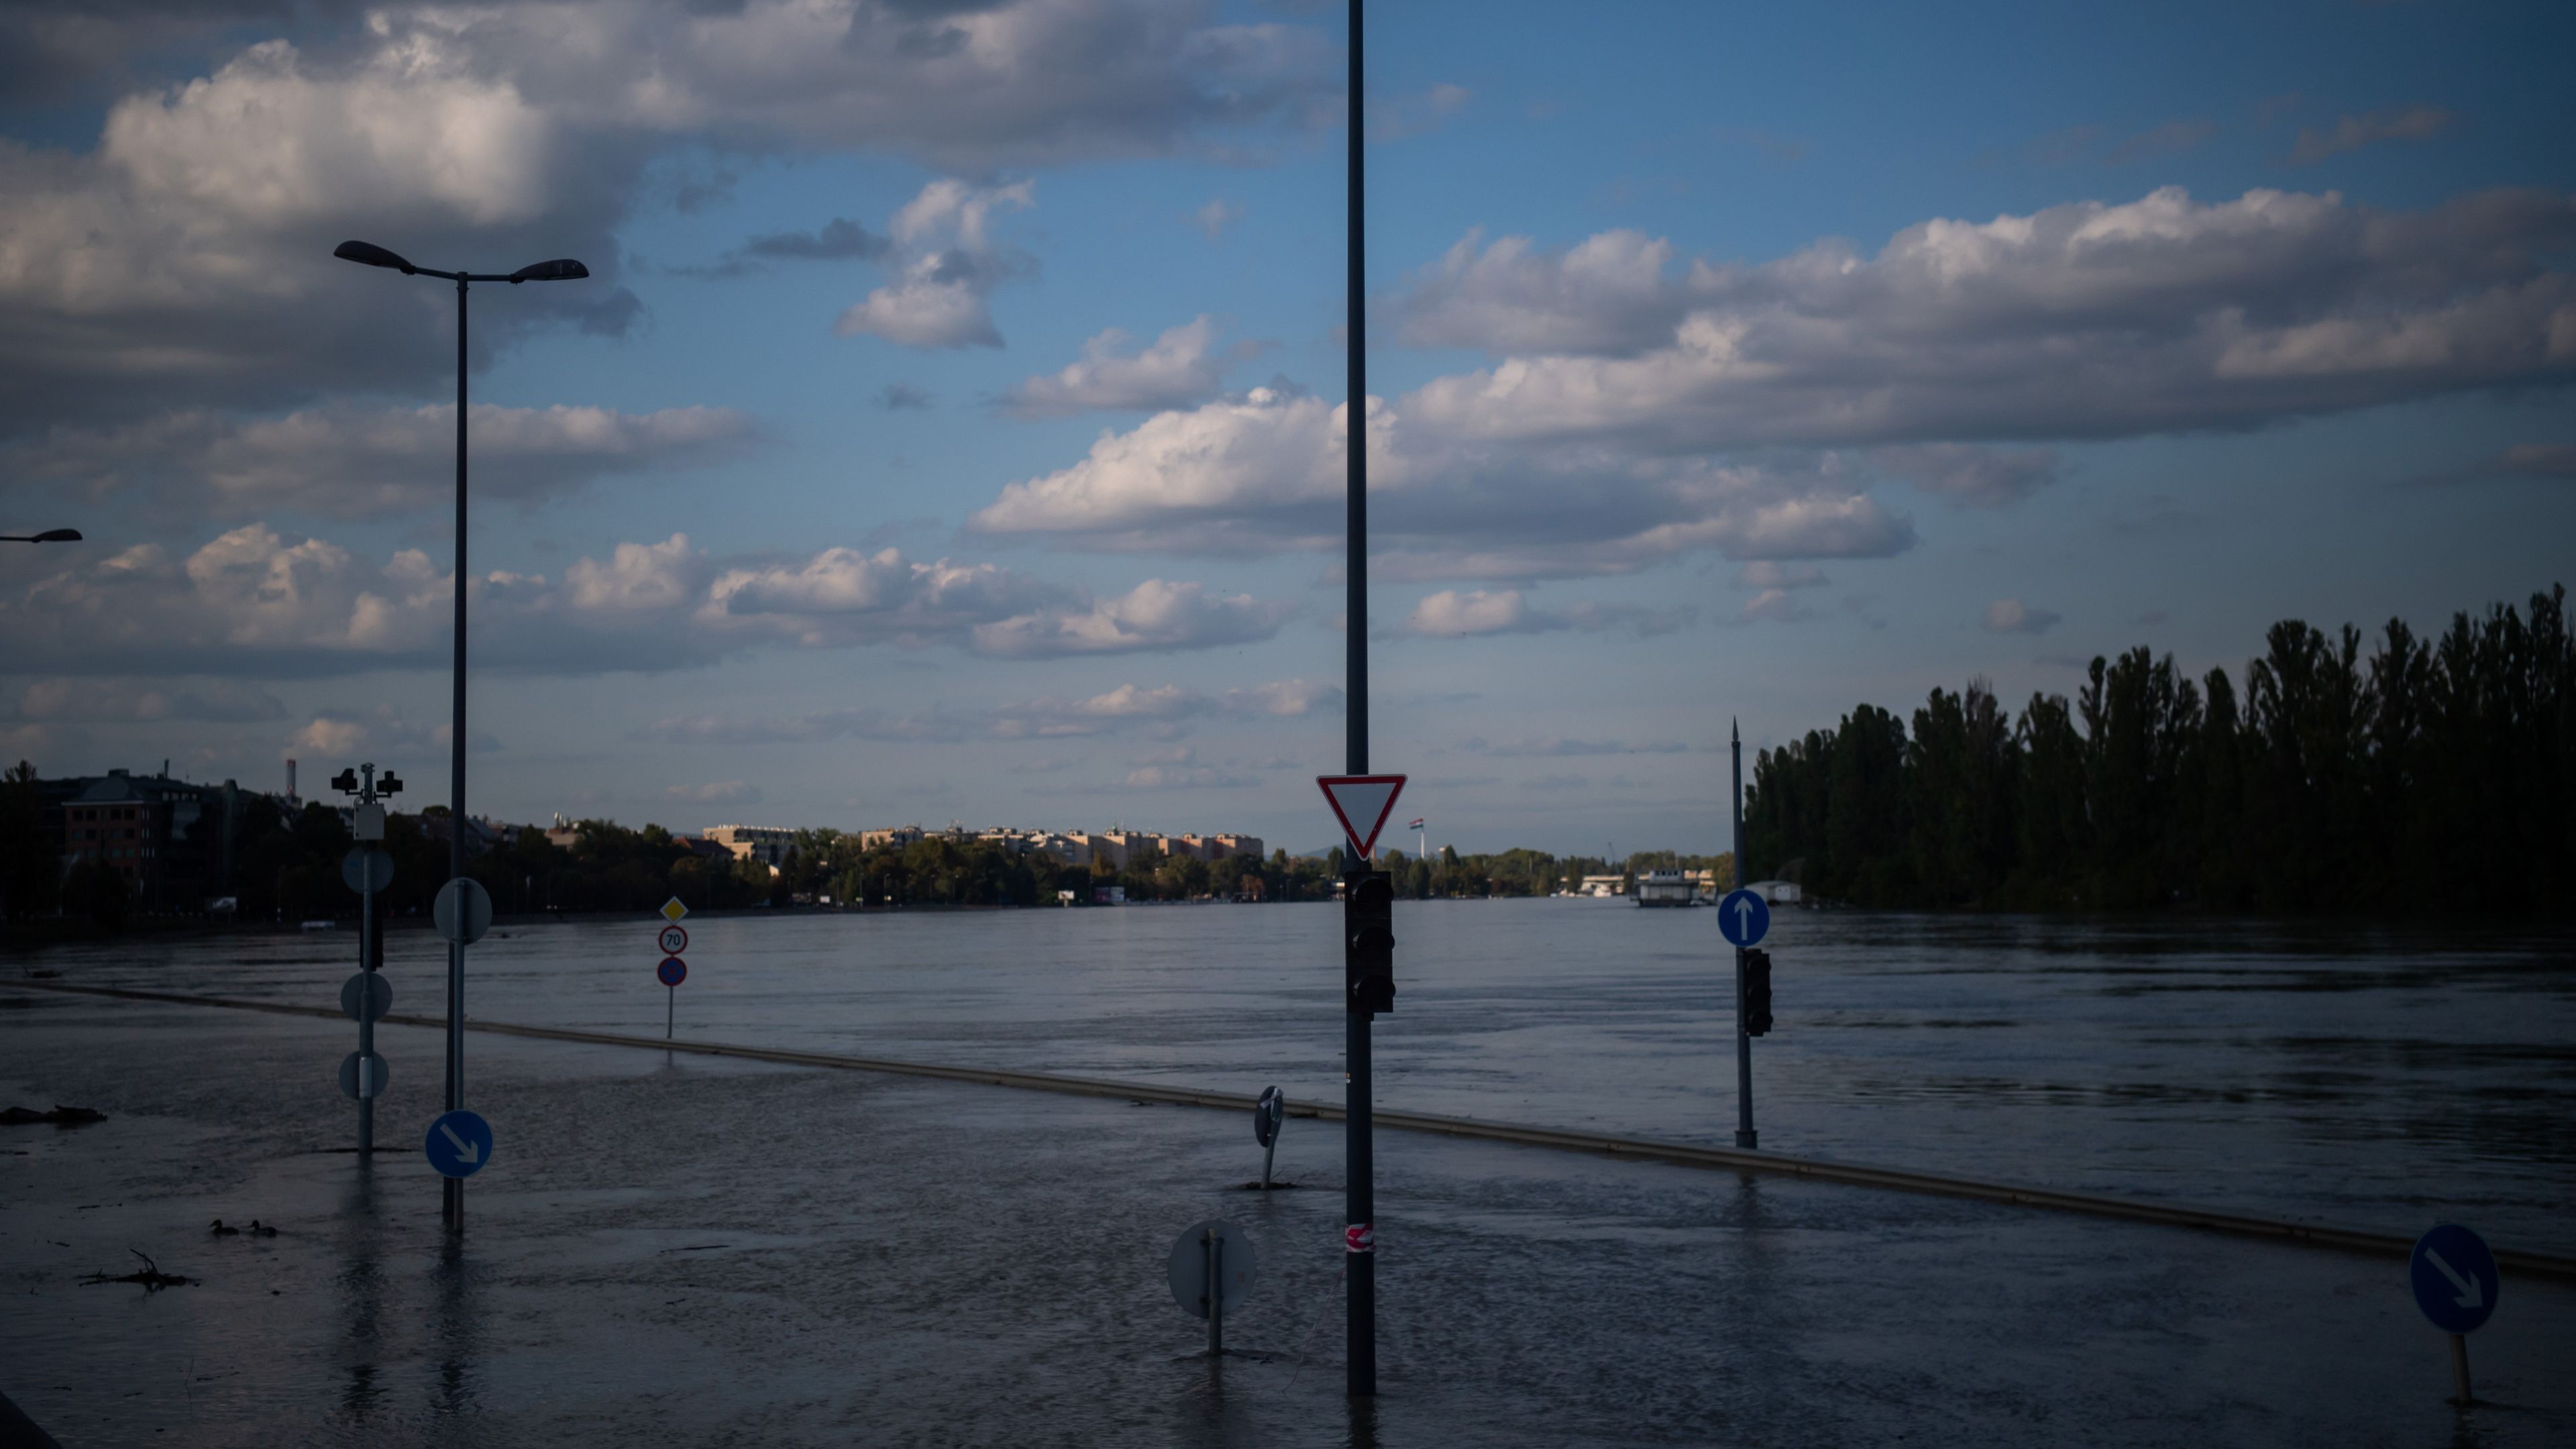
(674, 1249)
(2358, 1075)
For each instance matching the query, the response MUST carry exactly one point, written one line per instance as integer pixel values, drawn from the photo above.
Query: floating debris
(151, 1277)
(61, 1116)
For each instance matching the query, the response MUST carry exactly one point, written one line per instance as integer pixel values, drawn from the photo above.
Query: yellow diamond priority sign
(672, 910)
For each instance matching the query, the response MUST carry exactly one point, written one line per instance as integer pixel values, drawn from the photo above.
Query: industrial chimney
(291, 797)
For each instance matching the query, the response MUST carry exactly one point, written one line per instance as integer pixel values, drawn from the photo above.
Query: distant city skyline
(950, 428)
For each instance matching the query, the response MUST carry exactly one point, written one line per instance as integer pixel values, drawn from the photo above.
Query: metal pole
(1361, 1206)
(366, 1019)
(1267, 1153)
(1212, 1267)
(670, 1009)
(453, 1199)
(1744, 1134)
(2460, 1368)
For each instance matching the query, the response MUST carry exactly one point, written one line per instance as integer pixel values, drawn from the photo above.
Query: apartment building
(768, 844)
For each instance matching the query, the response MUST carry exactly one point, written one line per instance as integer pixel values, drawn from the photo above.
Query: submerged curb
(2179, 1215)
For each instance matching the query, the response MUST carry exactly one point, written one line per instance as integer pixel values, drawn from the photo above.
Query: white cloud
(183, 261)
(2012, 616)
(1241, 472)
(1155, 615)
(1128, 706)
(327, 738)
(1657, 414)
(1609, 294)
(1775, 598)
(253, 602)
(951, 265)
(344, 461)
(2084, 320)
(1182, 367)
(1264, 473)
(186, 260)
(721, 792)
(1450, 614)
(1217, 218)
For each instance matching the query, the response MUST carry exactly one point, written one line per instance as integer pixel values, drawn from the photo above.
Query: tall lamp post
(1358, 1128)
(452, 1205)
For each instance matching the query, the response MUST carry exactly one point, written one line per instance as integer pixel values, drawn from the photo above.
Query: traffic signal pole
(1360, 1209)
(1744, 1134)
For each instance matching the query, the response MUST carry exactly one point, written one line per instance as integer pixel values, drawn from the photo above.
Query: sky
(952, 425)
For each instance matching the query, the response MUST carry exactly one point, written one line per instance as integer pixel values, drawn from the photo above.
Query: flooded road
(669, 1249)
(2366, 1076)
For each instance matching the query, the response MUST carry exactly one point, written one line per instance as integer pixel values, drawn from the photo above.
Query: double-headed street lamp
(560, 270)
(50, 535)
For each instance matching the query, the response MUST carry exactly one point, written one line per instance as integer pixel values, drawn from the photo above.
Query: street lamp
(560, 270)
(50, 535)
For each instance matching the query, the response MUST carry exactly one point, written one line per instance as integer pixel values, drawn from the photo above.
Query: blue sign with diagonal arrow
(459, 1144)
(2454, 1277)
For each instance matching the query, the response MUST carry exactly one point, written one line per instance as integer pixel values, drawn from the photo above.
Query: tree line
(2421, 772)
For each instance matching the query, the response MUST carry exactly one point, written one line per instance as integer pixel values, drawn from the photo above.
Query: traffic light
(1368, 940)
(1757, 992)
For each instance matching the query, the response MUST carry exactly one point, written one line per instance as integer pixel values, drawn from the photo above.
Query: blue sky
(1732, 362)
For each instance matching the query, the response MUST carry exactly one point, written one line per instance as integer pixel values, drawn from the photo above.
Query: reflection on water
(2358, 1073)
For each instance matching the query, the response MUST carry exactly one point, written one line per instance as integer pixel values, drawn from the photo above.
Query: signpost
(367, 869)
(673, 938)
(1211, 1271)
(671, 973)
(2456, 1283)
(1359, 1232)
(462, 911)
(1743, 923)
(459, 1144)
(363, 1076)
(1267, 1114)
(1362, 802)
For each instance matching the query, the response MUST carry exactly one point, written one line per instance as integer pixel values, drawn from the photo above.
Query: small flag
(1416, 825)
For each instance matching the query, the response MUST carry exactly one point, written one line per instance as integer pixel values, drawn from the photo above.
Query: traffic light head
(1757, 993)
(346, 782)
(1368, 940)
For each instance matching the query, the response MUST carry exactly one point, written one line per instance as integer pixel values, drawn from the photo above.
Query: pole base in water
(2460, 1368)
(1747, 1139)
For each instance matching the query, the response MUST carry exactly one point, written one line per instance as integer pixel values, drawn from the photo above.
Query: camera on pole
(1757, 993)
(1368, 939)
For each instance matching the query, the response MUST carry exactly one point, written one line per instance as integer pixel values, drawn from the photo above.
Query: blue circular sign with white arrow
(1743, 918)
(2454, 1277)
(459, 1144)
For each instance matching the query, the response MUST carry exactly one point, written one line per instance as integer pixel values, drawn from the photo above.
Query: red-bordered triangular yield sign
(1359, 800)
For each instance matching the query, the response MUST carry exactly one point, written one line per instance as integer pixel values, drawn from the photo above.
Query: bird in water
(258, 1230)
(224, 1232)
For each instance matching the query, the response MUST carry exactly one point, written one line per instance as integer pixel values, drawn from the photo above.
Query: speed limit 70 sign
(674, 940)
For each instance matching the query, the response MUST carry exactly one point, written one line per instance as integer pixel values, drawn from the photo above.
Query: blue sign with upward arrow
(459, 1144)
(2454, 1277)
(1743, 918)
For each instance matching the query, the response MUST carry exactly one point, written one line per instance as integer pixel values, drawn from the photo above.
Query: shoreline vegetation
(2434, 773)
